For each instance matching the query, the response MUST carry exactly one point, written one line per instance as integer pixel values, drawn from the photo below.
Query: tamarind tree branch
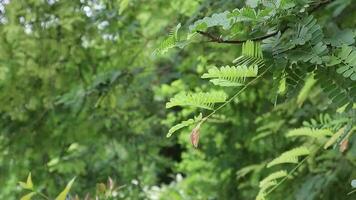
(220, 40)
(217, 39)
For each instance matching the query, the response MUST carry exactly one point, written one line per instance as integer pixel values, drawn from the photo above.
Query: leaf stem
(234, 96)
(285, 178)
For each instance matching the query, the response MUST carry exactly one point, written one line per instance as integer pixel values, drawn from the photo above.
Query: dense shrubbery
(260, 98)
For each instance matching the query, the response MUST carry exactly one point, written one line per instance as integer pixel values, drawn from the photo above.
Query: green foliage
(251, 55)
(268, 182)
(205, 100)
(306, 89)
(252, 49)
(347, 59)
(123, 5)
(227, 19)
(170, 42)
(290, 156)
(184, 124)
(28, 185)
(34, 192)
(271, 179)
(297, 49)
(339, 91)
(307, 31)
(334, 138)
(230, 76)
(28, 196)
(64, 193)
(314, 133)
(247, 66)
(84, 85)
(217, 19)
(77, 97)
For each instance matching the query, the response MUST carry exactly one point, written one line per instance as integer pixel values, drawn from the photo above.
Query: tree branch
(220, 40)
(217, 39)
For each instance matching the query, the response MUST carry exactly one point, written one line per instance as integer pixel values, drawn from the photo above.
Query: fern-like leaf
(230, 75)
(305, 91)
(346, 59)
(251, 55)
(227, 19)
(268, 182)
(247, 14)
(309, 132)
(204, 100)
(272, 178)
(308, 30)
(248, 169)
(184, 124)
(315, 56)
(217, 19)
(278, 44)
(261, 195)
(290, 156)
(170, 42)
(339, 90)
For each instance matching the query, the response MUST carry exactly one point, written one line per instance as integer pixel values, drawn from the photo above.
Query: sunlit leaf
(28, 185)
(64, 193)
(28, 196)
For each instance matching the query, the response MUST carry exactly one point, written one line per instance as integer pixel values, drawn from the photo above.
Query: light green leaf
(184, 124)
(305, 91)
(170, 42)
(204, 100)
(123, 5)
(273, 177)
(305, 131)
(230, 76)
(28, 196)
(28, 185)
(290, 156)
(63, 194)
(180, 126)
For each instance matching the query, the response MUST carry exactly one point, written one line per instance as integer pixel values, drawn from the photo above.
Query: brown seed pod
(344, 145)
(194, 136)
